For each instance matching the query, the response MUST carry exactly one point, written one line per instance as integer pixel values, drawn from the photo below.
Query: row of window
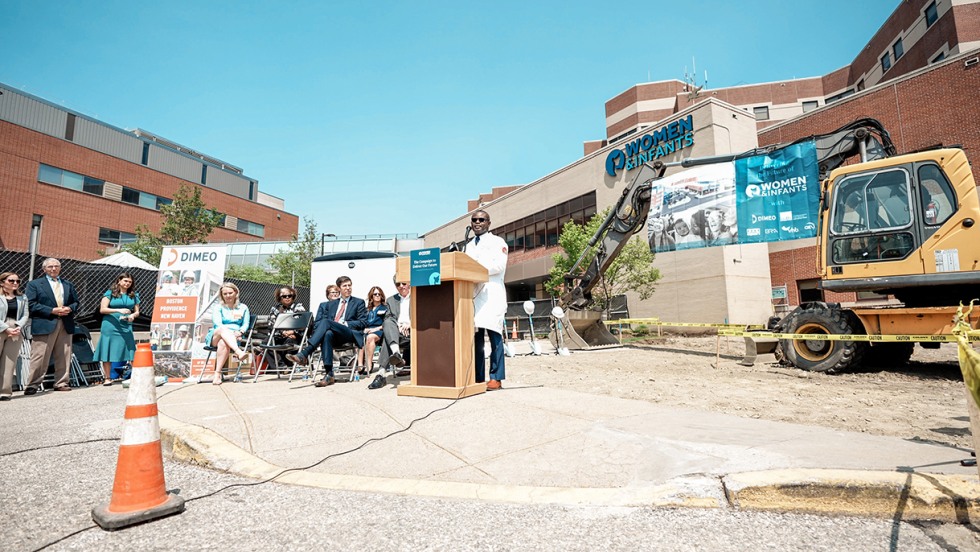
(87, 184)
(542, 228)
(898, 49)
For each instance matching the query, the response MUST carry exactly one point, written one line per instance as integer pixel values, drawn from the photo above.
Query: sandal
(217, 381)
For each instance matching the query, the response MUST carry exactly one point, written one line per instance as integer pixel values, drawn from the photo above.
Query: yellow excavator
(895, 225)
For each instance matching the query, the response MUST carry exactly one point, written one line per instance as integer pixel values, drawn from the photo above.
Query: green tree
(252, 273)
(185, 221)
(293, 264)
(631, 271)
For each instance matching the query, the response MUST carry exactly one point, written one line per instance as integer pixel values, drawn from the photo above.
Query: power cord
(254, 483)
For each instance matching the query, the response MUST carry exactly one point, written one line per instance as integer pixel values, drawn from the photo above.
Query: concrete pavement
(544, 446)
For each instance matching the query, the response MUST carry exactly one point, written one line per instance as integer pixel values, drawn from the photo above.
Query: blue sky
(340, 108)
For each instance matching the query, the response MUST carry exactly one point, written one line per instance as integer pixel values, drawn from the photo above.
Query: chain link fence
(92, 280)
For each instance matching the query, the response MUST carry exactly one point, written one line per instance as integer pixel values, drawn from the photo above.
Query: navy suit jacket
(41, 300)
(355, 315)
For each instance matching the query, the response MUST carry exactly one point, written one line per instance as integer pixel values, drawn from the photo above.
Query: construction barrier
(139, 493)
(657, 322)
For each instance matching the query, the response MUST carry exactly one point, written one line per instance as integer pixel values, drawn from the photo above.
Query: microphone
(466, 237)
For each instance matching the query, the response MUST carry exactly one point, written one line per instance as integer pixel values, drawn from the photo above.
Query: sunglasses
(376, 294)
(479, 219)
(13, 281)
(286, 296)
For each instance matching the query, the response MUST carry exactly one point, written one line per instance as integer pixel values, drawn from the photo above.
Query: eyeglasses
(286, 296)
(13, 281)
(400, 284)
(376, 294)
(479, 219)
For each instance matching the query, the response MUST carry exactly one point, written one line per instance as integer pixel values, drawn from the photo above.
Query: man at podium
(490, 298)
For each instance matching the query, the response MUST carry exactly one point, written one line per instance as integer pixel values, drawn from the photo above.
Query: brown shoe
(297, 359)
(325, 382)
(493, 385)
(63, 388)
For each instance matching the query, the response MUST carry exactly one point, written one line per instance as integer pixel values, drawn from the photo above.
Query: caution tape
(934, 338)
(657, 322)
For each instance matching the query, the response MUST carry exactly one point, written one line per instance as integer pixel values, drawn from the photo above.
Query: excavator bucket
(583, 330)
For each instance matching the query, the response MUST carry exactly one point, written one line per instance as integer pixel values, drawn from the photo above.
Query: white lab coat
(490, 298)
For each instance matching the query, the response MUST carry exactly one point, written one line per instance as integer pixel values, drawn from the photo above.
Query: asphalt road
(50, 479)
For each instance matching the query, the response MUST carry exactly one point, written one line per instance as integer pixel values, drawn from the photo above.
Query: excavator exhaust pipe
(584, 330)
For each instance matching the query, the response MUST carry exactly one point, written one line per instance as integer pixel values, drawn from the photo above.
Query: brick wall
(72, 219)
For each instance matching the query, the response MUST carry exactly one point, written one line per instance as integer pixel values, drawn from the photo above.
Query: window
(810, 106)
(143, 199)
(841, 96)
(938, 199)
(542, 229)
(932, 14)
(860, 85)
(886, 62)
(761, 113)
(70, 180)
(115, 237)
(869, 210)
(938, 58)
(898, 49)
(249, 227)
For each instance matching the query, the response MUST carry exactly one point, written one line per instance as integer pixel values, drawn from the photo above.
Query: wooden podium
(442, 330)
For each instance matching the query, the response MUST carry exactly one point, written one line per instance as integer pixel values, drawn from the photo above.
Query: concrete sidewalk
(539, 445)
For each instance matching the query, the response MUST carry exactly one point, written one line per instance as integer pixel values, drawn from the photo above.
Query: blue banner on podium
(425, 267)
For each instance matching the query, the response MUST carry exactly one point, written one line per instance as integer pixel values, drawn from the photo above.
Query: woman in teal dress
(119, 307)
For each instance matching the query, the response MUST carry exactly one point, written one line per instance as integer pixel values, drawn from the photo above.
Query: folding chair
(344, 362)
(287, 321)
(245, 342)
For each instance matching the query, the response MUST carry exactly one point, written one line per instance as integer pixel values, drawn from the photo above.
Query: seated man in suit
(338, 322)
(396, 333)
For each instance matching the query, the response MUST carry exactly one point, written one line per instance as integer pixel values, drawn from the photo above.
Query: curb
(906, 496)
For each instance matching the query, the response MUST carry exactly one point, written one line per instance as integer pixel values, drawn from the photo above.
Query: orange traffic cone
(513, 331)
(139, 493)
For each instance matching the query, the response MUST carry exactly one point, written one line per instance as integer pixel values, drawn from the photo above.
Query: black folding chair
(287, 321)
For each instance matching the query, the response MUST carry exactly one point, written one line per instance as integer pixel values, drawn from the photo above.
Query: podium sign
(442, 329)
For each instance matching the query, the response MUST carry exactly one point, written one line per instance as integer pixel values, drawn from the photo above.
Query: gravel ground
(925, 399)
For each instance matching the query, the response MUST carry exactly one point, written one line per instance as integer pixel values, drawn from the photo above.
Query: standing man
(490, 299)
(396, 333)
(53, 303)
(338, 322)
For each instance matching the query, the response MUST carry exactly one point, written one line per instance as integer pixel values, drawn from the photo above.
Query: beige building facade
(715, 284)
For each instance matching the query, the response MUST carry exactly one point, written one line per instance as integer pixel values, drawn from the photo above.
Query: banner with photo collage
(762, 198)
(187, 287)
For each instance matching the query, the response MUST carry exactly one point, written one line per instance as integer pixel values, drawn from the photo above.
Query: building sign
(778, 194)
(651, 146)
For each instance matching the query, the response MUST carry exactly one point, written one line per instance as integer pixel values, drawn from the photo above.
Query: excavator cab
(902, 226)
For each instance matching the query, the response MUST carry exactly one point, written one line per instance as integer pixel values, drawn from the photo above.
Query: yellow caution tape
(657, 322)
(935, 338)
(968, 356)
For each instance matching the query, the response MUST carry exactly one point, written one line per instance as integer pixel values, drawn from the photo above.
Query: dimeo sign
(669, 139)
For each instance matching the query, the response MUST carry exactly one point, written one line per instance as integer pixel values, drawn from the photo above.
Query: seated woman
(285, 303)
(373, 332)
(231, 320)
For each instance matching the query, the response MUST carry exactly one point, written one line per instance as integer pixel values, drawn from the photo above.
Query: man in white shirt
(490, 298)
(396, 332)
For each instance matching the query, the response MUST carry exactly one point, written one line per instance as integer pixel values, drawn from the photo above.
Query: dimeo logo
(171, 256)
(763, 218)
